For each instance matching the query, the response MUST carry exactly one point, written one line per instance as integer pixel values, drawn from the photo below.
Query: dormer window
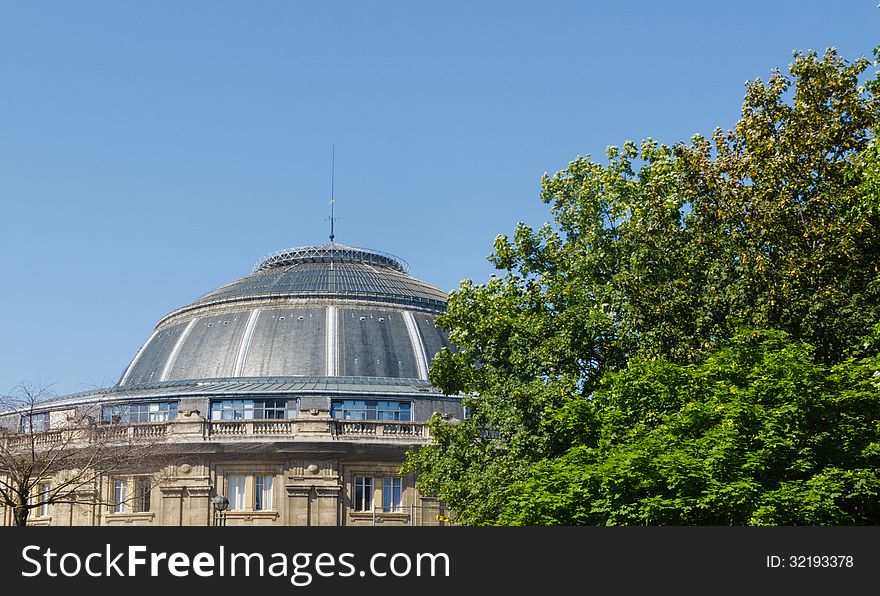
(139, 412)
(252, 409)
(375, 409)
(35, 423)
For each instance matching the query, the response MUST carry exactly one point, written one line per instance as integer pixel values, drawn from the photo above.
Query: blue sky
(152, 151)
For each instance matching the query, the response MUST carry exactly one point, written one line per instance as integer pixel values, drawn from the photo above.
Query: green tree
(661, 255)
(759, 433)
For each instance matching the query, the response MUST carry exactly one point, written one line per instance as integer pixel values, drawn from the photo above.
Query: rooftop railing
(370, 428)
(189, 428)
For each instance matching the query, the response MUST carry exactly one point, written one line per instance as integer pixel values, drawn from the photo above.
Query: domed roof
(329, 271)
(320, 311)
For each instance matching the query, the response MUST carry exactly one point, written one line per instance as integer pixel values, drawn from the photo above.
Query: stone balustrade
(191, 427)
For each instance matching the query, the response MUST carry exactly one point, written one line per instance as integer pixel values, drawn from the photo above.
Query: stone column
(313, 422)
(83, 511)
(198, 506)
(298, 504)
(172, 505)
(188, 425)
(432, 514)
(326, 509)
(61, 514)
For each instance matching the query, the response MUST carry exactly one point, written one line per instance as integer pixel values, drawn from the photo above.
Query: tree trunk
(20, 515)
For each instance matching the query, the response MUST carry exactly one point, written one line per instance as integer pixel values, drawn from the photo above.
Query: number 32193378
(785, 561)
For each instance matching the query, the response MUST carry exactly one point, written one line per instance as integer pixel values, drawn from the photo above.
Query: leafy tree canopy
(759, 433)
(611, 369)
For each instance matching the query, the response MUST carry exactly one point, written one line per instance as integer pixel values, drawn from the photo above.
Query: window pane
(35, 423)
(42, 496)
(358, 409)
(263, 493)
(363, 493)
(120, 495)
(236, 493)
(270, 409)
(391, 490)
(161, 412)
(139, 412)
(142, 487)
(258, 493)
(111, 414)
(246, 409)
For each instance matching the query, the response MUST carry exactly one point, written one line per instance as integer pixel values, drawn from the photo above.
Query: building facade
(294, 392)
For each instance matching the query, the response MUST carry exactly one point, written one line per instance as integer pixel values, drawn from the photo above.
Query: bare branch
(67, 449)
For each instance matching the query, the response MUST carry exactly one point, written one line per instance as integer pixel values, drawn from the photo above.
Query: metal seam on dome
(332, 347)
(172, 357)
(245, 345)
(417, 345)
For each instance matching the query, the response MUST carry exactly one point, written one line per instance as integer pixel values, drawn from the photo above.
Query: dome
(296, 391)
(321, 311)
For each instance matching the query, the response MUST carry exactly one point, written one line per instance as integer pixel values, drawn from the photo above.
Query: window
(132, 494)
(153, 412)
(139, 412)
(142, 486)
(391, 494)
(359, 409)
(120, 496)
(42, 498)
(270, 409)
(363, 493)
(35, 423)
(236, 493)
(247, 409)
(263, 493)
(249, 493)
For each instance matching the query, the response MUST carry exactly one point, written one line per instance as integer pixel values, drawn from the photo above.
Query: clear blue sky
(151, 151)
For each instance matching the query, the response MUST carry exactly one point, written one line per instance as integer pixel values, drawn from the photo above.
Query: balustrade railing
(375, 428)
(219, 430)
(150, 430)
(250, 427)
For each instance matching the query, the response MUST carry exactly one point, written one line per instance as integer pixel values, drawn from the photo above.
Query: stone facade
(313, 461)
